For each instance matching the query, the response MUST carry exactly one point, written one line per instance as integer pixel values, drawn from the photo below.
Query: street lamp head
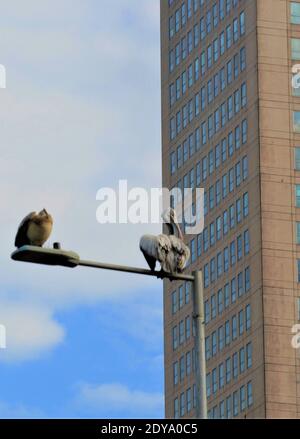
(46, 256)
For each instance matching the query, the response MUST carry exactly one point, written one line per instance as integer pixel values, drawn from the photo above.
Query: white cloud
(110, 398)
(81, 110)
(30, 330)
(19, 411)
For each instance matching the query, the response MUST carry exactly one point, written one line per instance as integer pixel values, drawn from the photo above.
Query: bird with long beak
(169, 250)
(35, 229)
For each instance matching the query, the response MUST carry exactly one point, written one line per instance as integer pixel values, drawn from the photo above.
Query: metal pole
(201, 400)
(127, 269)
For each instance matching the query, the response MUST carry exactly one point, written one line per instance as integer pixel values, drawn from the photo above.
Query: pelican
(34, 229)
(169, 250)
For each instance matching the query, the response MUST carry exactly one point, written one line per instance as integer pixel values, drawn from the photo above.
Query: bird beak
(179, 230)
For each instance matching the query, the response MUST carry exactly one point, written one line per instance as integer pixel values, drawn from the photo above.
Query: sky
(81, 110)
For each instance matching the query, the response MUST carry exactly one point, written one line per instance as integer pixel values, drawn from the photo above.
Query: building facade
(231, 124)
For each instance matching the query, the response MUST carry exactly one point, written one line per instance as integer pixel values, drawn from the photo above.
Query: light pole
(59, 257)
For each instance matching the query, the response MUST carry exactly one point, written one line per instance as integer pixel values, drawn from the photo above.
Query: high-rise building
(231, 124)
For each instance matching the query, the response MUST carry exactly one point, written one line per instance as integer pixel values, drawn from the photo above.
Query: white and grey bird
(35, 229)
(169, 250)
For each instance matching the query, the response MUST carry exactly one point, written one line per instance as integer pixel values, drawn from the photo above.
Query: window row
(221, 264)
(217, 13)
(219, 228)
(230, 407)
(181, 297)
(229, 370)
(182, 332)
(226, 296)
(227, 333)
(214, 51)
(214, 86)
(184, 367)
(185, 403)
(215, 122)
(216, 156)
(234, 404)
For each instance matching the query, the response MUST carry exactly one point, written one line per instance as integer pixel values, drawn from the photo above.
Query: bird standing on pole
(35, 229)
(169, 250)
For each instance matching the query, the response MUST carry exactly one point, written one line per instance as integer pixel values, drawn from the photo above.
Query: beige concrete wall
(278, 178)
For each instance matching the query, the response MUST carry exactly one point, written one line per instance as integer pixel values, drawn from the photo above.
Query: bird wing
(21, 237)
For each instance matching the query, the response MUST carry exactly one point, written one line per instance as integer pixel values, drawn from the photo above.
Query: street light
(57, 257)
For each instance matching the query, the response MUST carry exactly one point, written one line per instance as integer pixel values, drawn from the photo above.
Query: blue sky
(81, 110)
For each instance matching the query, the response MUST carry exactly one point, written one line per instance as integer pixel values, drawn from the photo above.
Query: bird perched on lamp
(35, 229)
(169, 250)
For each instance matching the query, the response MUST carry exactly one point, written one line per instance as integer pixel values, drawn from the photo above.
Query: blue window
(231, 180)
(226, 295)
(242, 23)
(244, 131)
(219, 264)
(235, 403)
(247, 279)
(239, 247)
(245, 204)
(190, 42)
(209, 56)
(224, 185)
(240, 284)
(231, 216)
(230, 107)
(220, 301)
(235, 30)
(238, 211)
(206, 278)
(228, 37)
(225, 222)
(243, 58)
(246, 242)
(218, 192)
(249, 394)
(215, 15)
(244, 95)
(248, 317)
(216, 49)
(203, 133)
(226, 259)
(233, 290)
(214, 343)
(249, 355)
(219, 227)
(295, 13)
(224, 150)
(213, 306)
(222, 43)
(196, 35)
(212, 233)
(228, 370)
(232, 253)
(241, 331)
(208, 385)
(183, 15)
(238, 174)
(214, 380)
(208, 22)
(218, 155)
(227, 333)
(216, 84)
(234, 328)
(297, 195)
(229, 72)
